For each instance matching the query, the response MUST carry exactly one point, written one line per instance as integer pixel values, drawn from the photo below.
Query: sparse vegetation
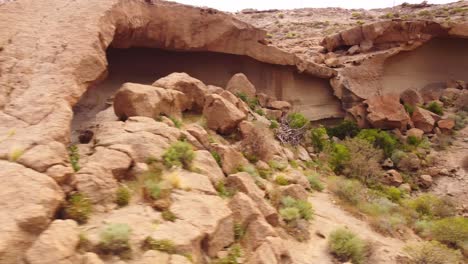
(217, 157)
(168, 215)
(115, 239)
(74, 157)
(347, 246)
(452, 231)
(78, 208)
(281, 180)
(435, 108)
(315, 182)
(319, 138)
(179, 153)
(274, 124)
(292, 209)
(123, 196)
(409, 109)
(177, 122)
(432, 252)
(223, 191)
(345, 129)
(239, 231)
(297, 120)
(232, 257)
(164, 245)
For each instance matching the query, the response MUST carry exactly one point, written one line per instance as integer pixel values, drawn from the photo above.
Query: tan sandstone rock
(194, 90)
(446, 125)
(239, 83)
(415, 132)
(386, 112)
(423, 120)
(207, 165)
(146, 100)
(243, 182)
(208, 213)
(221, 115)
(56, 245)
(231, 159)
(393, 177)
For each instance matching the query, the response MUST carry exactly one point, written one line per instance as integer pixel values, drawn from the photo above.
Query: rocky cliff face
(61, 63)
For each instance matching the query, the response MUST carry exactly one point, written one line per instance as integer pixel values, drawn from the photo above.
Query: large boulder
(240, 84)
(210, 214)
(386, 112)
(415, 132)
(446, 125)
(205, 163)
(221, 115)
(243, 182)
(28, 200)
(231, 159)
(393, 178)
(194, 90)
(258, 140)
(411, 97)
(423, 119)
(271, 251)
(145, 100)
(244, 209)
(56, 245)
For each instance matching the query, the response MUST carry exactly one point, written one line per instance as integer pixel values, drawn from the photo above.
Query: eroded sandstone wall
(431, 64)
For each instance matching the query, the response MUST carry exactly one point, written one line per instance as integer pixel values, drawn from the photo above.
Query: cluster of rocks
(205, 222)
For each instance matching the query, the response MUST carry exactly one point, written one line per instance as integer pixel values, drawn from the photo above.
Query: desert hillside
(151, 132)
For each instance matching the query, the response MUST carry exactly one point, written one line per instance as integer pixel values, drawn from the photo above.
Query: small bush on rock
(432, 252)
(78, 208)
(74, 157)
(347, 246)
(177, 122)
(179, 154)
(232, 257)
(168, 215)
(115, 239)
(290, 206)
(345, 129)
(297, 120)
(217, 157)
(281, 180)
(274, 124)
(123, 196)
(430, 206)
(435, 108)
(164, 245)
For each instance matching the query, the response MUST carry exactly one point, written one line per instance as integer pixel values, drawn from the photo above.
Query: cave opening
(310, 95)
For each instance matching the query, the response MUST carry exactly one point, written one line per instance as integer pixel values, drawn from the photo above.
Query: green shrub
(243, 96)
(123, 196)
(290, 214)
(297, 120)
(239, 231)
(350, 191)
(74, 157)
(177, 122)
(452, 231)
(380, 139)
(223, 191)
(315, 182)
(345, 129)
(319, 138)
(217, 157)
(115, 239)
(179, 153)
(394, 194)
(78, 208)
(362, 161)
(168, 215)
(339, 157)
(430, 206)
(152, 189)
(164, 245)
(432, 253)
(304, 209)
(461, 120)
(413, 140)
(435, 108)
(409, 109)
(274, 124)
(260, 111)
(346, 246)
(277, 166)
(281, 180)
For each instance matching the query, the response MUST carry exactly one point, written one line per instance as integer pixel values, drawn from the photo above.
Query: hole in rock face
(311, 95)
(427, 67)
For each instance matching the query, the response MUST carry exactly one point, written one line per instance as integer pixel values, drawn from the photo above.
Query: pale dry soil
(456, 184)
(329, 217)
